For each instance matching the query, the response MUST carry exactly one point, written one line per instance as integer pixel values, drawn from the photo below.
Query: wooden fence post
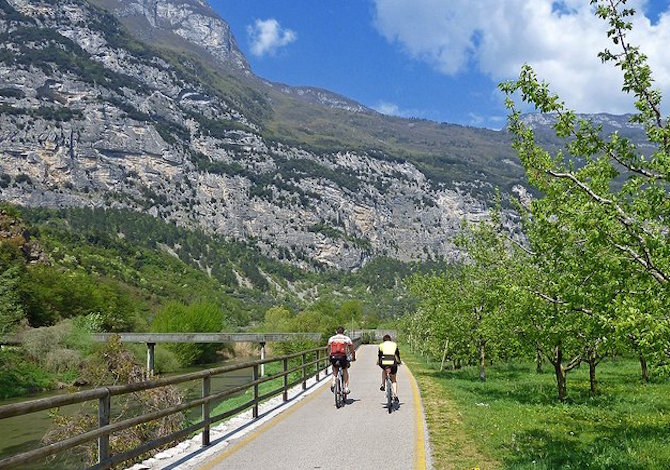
(104, 411)
(254, 411)
(318, 364)
(304, 375)
(206, 386)
(150, 360)
(285, 393)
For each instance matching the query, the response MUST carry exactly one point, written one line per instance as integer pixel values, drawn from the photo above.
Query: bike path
(314, 434)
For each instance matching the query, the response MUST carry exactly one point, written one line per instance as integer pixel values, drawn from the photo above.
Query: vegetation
(591, 278)
(113, 365)
(110, 271)
(201, 317)
(585, 290)
(513, 420)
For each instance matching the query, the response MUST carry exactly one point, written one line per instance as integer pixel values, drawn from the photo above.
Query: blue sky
(442, 59)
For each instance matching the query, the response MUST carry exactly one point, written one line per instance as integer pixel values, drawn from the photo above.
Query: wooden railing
(313, 357)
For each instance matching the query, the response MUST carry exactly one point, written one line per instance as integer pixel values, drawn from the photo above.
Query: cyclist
(339, 347)
(389, 356)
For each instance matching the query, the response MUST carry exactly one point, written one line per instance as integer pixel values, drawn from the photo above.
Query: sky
(442, 60)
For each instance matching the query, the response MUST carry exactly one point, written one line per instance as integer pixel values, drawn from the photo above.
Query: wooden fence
(314, 357)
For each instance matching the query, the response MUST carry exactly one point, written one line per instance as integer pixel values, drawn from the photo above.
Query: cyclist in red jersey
(339, 347)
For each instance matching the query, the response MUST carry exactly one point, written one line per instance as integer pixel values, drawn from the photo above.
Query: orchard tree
(609, 199)
(464, 310)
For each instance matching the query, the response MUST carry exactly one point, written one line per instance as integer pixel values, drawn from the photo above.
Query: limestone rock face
(192, 20)
(89, 118)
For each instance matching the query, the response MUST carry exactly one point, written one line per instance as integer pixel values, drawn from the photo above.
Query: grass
(270, 369)
(513, 420)
(19, 376)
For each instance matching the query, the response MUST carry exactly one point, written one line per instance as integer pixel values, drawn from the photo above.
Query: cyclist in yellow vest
(389, 356)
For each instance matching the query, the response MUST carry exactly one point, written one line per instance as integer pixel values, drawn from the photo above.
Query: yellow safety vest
(388, 349)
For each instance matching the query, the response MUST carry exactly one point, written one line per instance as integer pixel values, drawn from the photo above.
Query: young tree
(11, 309)
(609, 197)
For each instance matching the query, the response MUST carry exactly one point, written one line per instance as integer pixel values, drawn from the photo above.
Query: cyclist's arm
(397, 354)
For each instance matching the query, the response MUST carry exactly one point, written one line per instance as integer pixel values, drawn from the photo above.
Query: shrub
(179, 318)
(39, 342)
(19, 376)
(368, 338)
(114, 364)
(62, 360)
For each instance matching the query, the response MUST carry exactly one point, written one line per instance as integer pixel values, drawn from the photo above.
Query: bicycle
(340, 396)
(389, 392)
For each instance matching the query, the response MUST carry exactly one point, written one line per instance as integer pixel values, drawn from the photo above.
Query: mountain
(149, 105)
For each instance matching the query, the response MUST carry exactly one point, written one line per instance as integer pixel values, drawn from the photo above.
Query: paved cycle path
(314, 434)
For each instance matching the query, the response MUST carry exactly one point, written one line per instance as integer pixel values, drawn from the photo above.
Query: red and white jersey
(338, 344)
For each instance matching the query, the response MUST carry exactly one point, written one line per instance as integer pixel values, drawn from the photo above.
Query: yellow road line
(210, 464)
(419, 435)
(264, 428)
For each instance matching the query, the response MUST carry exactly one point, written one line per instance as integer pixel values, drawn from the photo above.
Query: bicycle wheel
(338, 390)
(389, 394)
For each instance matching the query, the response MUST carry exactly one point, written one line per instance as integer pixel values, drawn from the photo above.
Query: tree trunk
(645, 372)
(560, 373)
(591, 358)
(444, 356)
(482, 360)
(538, 361)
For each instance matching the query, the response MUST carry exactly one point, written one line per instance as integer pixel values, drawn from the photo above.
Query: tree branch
(574, 363)
(563, 303)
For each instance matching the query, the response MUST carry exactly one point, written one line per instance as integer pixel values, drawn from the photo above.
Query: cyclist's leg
(345, 377)
(332, 382)
(383, 380)
(394, 382)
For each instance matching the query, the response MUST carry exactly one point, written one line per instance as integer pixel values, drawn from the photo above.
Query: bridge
(293, 426)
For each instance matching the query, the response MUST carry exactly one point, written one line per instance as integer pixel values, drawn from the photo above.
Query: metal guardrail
(104, 394)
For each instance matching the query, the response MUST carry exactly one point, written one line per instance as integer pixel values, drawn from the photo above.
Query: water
(23, 433)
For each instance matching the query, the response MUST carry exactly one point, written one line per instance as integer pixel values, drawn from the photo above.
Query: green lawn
(514, 421)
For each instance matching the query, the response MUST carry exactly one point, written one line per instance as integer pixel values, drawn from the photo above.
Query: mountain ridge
(92, 116)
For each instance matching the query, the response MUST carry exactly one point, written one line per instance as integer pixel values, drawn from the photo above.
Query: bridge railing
(313, 357)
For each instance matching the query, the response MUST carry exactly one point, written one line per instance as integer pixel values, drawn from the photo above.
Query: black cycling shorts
(394, 368)
(339, 361)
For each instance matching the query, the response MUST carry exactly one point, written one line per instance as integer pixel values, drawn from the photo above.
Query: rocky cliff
(90, 115)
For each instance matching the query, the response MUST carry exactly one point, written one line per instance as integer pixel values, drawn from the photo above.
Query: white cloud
(267, 36)
(392, 109)
(560, 39)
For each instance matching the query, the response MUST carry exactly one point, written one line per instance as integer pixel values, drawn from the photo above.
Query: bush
(62, 360)
(368, 338)
(19, 376)
(114, 364)
(39, 342)
(179, 318)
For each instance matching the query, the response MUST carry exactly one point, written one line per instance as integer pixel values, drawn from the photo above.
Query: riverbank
(22, 433)
(514, 421)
